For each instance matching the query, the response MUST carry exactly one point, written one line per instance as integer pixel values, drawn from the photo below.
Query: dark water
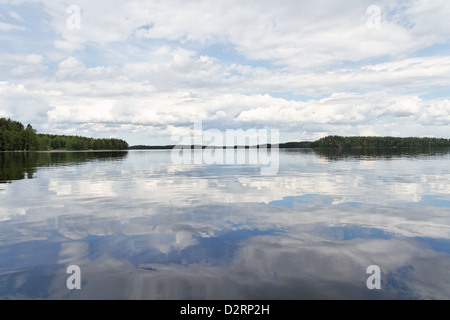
(141, 227)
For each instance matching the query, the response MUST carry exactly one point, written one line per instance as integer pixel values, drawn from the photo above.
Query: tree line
(62, 142)
(340, 142)
(14, 137)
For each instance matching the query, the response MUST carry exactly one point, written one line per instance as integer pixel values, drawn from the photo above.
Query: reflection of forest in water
(378, 153)
(21, 165)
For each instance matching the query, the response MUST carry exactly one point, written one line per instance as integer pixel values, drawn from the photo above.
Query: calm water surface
(141, 227)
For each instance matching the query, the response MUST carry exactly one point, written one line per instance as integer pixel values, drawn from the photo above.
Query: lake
(140, 226)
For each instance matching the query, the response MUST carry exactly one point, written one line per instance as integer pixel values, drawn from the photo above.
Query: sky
(145, 71)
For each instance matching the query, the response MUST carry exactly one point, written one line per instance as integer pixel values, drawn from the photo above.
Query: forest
(355, 142)
(15, 137)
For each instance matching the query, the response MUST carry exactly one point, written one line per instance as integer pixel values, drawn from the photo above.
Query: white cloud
(311, 67)
(15, 15)
(5, 27)
(22, 104)
(296, 33)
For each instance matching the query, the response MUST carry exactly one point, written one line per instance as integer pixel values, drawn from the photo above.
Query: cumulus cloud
(22, 104)
(310, 67)
(9, 27)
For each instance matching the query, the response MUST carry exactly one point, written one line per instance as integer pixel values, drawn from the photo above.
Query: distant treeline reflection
(21, 165)
(377, 153)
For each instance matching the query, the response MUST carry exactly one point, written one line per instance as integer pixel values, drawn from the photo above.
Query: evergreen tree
(14, 136)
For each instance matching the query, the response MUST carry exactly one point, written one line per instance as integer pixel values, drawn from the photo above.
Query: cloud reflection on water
(145, 228)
